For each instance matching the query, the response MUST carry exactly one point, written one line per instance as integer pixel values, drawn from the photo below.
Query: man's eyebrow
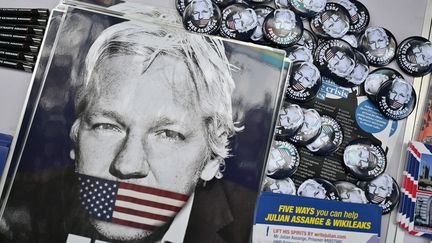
(104, 113)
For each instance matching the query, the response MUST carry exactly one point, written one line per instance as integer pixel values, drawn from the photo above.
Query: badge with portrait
(353, 115)
(144, 132)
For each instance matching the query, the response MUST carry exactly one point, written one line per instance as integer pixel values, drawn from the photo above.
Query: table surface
(403, 18)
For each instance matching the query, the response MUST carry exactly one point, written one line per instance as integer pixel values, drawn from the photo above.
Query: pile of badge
(340, 47)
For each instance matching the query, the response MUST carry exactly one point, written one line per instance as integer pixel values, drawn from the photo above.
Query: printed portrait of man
(279, 160)
(324, 140)
(311, 188)
(258, 33)
(202, 12)
(351, 7)
(305, 77)
(378, 41)
(380, 188)
(339, 63)
(243, 21)
(314, 5)
(283, 186)
(291, 118)
(284, 22)
(351, 193)
(359, 74)
(300, 54)
(149, 126)
(334, 25)
(373, 82)
(311, 125)
(400, 94)
(360, 157)
(421, 54)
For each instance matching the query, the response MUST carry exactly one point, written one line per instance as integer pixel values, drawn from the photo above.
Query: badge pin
(318, 188)
(364, 159)
(283, 160)
(378, 45)
(330, 138)
(414, 56)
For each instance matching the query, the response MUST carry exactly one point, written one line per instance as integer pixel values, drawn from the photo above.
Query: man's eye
(170, 134)
(105, 127)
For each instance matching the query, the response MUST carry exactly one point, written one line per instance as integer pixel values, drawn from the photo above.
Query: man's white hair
(306, 183)
(209, 89)
(379, 30)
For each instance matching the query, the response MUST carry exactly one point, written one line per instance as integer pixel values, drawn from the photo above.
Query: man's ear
(211, 168)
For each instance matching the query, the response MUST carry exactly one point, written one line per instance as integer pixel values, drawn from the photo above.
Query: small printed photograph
(423, 213)
(425, 173)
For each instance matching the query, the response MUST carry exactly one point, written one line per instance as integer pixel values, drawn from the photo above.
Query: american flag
(129, 204)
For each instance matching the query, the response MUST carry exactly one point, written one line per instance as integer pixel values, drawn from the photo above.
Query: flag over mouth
(129, 204)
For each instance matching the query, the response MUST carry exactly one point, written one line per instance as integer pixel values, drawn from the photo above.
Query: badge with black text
(283, 160)
(379, 46)
(202, 16)
(181, 5)
(350, 193)
(396, 98)
(384, 192)
(310, 129)
(297, 53)
(308, 8)
(359, 74)
(414, 56)
(376, 78)
(304, 83)
(261, 12)
(364, 159)
(318, 188)
(335, 59)
(238, 22)
(283, 186)
(333, 22)
(290, 120)
(308, 40)
(358, 13)
(282, 27)
(330, 138)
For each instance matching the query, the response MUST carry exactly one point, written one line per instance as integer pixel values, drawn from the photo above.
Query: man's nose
(131, 160)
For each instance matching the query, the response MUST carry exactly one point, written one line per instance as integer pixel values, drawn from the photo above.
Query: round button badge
(330, 138)
(379, 46)
(238, 22)
(358, 75)
(364, 159)
(333, 22)
(359, 15)
(396, 98)
(310, 129)
(283, 160)
(414, 56)
(304, 83)
(283, 186)
(376, 78)
(290, 120)
(282, 27)
(318, 188)
(202, 16)
(308, 40)
(383, 191)
(261, 13)
(350, 193)
(335, 59)
(308, 8)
